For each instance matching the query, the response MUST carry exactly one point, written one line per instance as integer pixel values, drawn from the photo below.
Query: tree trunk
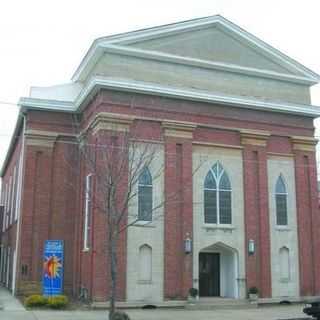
(113, 271)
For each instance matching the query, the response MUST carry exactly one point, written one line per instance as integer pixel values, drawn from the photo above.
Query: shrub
(253, 290)
(58, 302)
(193, 292)
(120, 316)
(36, 300)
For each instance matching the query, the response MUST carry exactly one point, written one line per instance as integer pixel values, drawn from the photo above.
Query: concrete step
(220, 304)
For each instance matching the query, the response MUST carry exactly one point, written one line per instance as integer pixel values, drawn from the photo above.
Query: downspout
(20, 184)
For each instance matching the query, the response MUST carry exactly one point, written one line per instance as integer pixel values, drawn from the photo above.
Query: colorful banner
(52, 280)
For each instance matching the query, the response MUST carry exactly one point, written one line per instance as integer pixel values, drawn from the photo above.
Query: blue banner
(52, 279)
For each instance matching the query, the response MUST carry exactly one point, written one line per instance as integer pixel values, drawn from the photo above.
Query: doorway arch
(218, 271)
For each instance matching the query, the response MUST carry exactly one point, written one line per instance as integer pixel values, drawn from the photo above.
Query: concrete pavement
(8, 302)
(13, 310)
(267, 313)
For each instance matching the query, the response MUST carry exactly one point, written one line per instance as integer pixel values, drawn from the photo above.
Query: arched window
(145, 263)
(284, 264)
(281, 202)
(217, 196)
(145, 196)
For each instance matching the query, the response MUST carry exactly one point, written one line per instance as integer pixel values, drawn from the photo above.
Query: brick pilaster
(178, 209)
(258, 265)
(307, 214)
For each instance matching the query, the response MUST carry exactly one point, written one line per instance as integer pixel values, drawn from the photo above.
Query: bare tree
(116, 162)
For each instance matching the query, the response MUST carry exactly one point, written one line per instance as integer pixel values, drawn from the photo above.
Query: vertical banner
(52, 280)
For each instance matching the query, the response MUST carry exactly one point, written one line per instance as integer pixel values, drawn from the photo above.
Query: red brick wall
(8, 237)
(53, 194)
(48, 199)
(308, 222)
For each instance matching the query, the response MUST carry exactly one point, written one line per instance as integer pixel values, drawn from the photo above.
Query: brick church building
(232, 120)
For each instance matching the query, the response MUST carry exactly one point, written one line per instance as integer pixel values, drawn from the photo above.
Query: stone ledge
(297, 300)
(140, 304)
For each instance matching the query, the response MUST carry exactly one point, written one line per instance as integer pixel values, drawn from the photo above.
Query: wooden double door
(209, 274)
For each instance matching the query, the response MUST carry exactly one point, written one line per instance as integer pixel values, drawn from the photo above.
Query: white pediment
(212, 42)
(215, 45)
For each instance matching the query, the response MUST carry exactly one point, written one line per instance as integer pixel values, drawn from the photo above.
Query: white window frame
(8, 266)
(3, 203)
(1, 262)
(9, 201)
(5, 224)
(217, 190)
(4, 265)
(17, 193)
(281, 226)
(139, 190)
(87, 211)
(13, 193)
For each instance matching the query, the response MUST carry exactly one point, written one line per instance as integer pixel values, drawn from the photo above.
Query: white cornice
(196, 95)
(44, 104)
(98, 46)
(97, 83)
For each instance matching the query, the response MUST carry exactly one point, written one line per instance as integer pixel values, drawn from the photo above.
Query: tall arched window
(145, 196)
(217, 196)
(145, 263)
(281, 202)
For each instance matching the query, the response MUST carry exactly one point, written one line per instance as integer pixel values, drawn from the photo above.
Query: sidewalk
(8, 302)
(13, 310)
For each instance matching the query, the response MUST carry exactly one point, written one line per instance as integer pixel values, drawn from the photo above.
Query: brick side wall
(48, 200)
(308, 222)
(8, 234)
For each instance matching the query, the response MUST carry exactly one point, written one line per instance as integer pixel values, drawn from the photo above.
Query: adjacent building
(232, 118)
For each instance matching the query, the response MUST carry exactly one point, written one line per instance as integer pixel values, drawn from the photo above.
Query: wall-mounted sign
(52, 279)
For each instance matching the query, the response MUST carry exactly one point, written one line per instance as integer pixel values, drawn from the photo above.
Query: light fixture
(187, 244)
(251, 247)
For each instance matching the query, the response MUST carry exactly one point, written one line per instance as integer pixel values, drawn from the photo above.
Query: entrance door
(209, 274)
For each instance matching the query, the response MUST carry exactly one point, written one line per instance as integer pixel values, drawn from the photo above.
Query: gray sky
(42, 42)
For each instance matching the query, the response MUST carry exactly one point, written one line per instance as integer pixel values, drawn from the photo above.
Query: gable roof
(72, 97)
(126, 43)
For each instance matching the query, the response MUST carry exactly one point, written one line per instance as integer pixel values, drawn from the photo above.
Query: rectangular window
(210, 207)
(1, 261)
(8, 267)
(4, 263)
(13, 195)
(145, 203)
(281, 207)
(225, 207)
(87, 212)
(9, 201)
(16, 198)
(3, 204)
(5, 215)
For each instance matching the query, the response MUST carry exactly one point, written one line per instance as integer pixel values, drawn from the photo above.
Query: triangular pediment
(212, 42)
(215, 45)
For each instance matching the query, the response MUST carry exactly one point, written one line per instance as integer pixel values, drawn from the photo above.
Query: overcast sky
(42, 42)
